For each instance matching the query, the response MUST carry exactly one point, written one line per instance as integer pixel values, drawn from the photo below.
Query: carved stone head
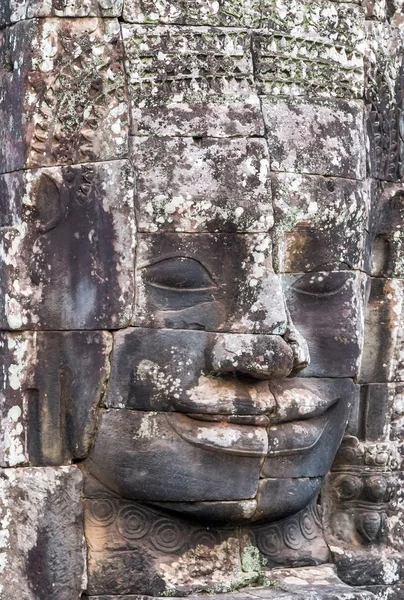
(201, 290)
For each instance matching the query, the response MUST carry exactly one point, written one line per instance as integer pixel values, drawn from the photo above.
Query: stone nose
(256, 355)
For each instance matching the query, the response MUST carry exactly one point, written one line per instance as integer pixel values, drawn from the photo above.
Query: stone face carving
(201, 267)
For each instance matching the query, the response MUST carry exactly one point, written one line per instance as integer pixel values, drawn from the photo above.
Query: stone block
(397, 418)
(186, 371)
(321, 137)
(63, 95)
(319, 222)
(304, 18)
(383, 351)
(384, 80)
(12, 11)
(207, 184)
(160, 553)
(295, 55)
(67, 247)
(42, 542)
(334, 343)
(209, 282)
(377, 400)
(387, 238)
(52, 385)
(234, 13)
(191, 81)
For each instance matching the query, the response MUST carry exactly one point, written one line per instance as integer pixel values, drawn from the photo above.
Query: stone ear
(48, 203)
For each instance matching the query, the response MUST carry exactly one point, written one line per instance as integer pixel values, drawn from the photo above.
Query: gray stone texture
(42, 542)
(321, 137)
(196, 185)
(191, 81)
(52, 383)
(199, 201)
(320, 222)
(334, 344)
(12, 11)
(67, 247)
(61, 102)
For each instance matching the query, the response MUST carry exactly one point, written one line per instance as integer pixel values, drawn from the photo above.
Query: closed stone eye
(178, 273)
(320, 284)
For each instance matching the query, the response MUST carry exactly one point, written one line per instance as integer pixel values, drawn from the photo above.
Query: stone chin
(223, 471)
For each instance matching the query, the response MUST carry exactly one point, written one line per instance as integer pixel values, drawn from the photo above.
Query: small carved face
(204, 415)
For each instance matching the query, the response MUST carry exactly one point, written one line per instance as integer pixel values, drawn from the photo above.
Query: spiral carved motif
(205, 537)
(269, 541)
(316, 514)
(102, 512)
(293, 536)
(168, 536)
(133, 523)
(307, 525)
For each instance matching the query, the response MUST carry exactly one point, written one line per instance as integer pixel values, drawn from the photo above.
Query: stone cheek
(67, 248)
(68, 99)
(334, 344)
(320, 222)
(42, 542)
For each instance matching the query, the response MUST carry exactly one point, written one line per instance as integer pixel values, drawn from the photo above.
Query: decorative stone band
(354, 455)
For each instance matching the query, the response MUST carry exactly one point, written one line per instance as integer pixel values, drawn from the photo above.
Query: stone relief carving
(201, 299)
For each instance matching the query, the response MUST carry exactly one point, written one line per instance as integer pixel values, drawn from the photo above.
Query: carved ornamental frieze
(201, 299)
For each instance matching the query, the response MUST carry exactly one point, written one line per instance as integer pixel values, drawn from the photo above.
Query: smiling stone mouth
(258, 420)
(243, 435)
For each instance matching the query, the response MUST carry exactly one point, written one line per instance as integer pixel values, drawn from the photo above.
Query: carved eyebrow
(333, 266)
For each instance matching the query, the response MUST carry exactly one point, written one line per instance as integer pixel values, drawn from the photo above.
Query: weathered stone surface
(132, 447)
(387, 239)
(320, 222)
(303, 18)
(197, 12)
(63, 95)
(52, 384)
(296, 55)
(315, 441)
(384, 84)
(160, 554)
(193, 185)
(304, 398)
(210, 282)
(191, 81)
(192, 372)
(67, 247)
(322, 137)
(12, 11)
(386, 592)
(41, 542)
(293, 541)
(316, 582)
(334, 343)
(383, 351)
(377, 400)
